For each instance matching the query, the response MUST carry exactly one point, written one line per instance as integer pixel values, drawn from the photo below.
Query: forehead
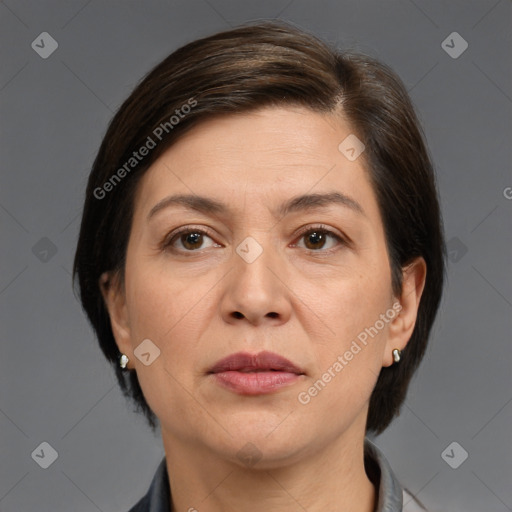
(268, 155)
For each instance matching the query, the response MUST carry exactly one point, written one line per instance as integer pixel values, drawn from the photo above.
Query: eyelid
(327, 229)
(166, 242)
(312, 227)
(341, 238)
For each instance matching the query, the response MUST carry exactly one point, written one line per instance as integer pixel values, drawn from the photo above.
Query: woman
(261, 256)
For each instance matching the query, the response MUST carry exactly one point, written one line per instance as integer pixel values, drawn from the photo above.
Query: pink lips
(255, 374)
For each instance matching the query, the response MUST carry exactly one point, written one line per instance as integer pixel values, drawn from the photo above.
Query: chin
(262, 445)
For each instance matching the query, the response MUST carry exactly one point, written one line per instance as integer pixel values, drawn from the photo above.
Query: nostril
(237, 314)
(272, 315)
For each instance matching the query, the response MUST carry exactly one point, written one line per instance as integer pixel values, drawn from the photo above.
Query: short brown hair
(240, 70)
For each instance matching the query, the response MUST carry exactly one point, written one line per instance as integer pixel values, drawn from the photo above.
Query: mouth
(255, 374)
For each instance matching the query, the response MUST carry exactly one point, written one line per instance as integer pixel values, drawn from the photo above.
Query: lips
(264, 361)
(255, 374)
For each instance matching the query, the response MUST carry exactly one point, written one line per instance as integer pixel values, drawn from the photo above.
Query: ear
(115, 301)
(402, 326)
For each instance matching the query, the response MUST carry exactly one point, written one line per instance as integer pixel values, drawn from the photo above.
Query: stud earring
(396, 355)
(123, 361)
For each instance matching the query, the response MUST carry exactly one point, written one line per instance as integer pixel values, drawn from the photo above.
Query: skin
(305, 299)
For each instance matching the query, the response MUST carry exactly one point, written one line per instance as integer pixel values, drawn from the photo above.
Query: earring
(396, 355)
(123, 361)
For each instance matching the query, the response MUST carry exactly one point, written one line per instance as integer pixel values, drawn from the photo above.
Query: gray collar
(390, 493)
(390, 497)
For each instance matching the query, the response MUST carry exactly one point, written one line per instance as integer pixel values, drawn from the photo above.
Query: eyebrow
(299, 203)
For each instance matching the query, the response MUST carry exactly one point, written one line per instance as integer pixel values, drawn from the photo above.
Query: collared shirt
(390, 498)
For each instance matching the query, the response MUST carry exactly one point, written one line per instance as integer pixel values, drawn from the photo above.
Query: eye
(188, 239)
(317, 238)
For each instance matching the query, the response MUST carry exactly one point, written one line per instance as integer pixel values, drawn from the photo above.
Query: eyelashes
(179, 235)
(191, 239)
(321, 232)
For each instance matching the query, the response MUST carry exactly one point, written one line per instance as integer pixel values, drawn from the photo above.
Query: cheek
(158, 300)
(350, 359)
(350, 304)
(352, 310)
(173, 311)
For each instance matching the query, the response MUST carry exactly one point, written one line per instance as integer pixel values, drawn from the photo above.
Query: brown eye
(189, 240)
(318, 239)
(315, 240)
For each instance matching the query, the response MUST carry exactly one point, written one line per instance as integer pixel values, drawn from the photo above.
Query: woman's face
(291, 261)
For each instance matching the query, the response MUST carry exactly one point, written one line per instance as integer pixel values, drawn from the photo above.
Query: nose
(255, 290)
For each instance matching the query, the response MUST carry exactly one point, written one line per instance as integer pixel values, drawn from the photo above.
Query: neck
(332, 478)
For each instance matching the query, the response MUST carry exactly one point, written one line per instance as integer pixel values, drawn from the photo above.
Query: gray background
(55, 385)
